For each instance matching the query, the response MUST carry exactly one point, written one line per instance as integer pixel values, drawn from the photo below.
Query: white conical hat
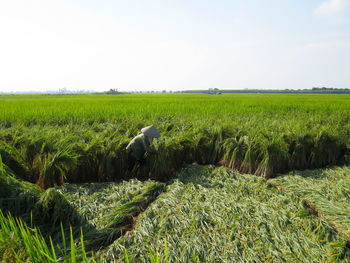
(150, 131)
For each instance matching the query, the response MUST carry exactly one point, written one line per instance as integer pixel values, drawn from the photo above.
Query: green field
(100, 108)
(68, 155)
(83, 138)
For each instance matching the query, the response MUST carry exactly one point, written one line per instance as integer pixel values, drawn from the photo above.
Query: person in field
(140, 144)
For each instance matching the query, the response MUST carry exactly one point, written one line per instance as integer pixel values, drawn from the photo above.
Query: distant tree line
(314, 90)
(216, 91)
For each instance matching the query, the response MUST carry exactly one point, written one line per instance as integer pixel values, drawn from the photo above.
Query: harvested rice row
(326, 192)
(120, 218)
(122, 203)
(103, 211)
(102, 220)
(96, 200)
(215, 215)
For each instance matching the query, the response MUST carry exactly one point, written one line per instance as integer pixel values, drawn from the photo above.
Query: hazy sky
(174, 45)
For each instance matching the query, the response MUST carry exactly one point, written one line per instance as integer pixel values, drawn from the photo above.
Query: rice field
(229, 182)
(49, 140)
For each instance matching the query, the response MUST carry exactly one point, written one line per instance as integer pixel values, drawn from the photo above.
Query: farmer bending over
(141, 144)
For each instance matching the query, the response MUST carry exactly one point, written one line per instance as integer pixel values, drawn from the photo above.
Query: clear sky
(173, 44)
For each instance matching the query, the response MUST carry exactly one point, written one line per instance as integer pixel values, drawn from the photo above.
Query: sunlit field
(234, 178)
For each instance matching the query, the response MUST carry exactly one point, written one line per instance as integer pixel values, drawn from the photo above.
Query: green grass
(326, 192)
(215, 215)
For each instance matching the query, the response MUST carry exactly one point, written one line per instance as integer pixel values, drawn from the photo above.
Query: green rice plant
(16, 196)
(275, 158)
(53, 167)
(209, 148)
(169, 158)
(188, 149)
(44, 209)
(229, 145)
(53, 208)
(203, 148)
(239, 152)
(300, 150)
(13, 159)
(251, 157)
(20, 243)
(87, 162)
(327, 150)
